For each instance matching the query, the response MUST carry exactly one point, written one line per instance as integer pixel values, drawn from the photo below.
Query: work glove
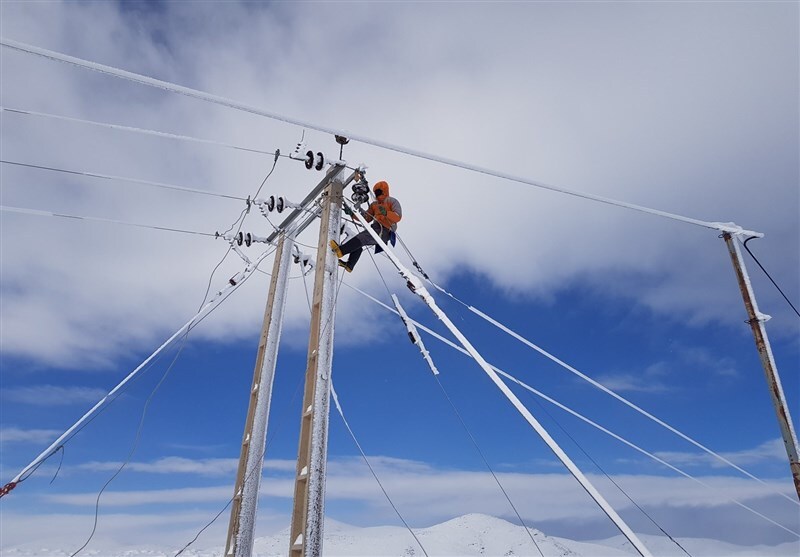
(382, 210)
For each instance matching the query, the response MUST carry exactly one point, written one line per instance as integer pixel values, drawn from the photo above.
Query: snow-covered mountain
(466, 536)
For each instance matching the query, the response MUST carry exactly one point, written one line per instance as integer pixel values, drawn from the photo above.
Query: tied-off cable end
(6, 489)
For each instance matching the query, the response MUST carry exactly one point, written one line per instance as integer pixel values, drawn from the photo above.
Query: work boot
(336, 249)
(345, 266)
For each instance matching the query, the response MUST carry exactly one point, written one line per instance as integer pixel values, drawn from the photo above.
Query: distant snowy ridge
(471, 535)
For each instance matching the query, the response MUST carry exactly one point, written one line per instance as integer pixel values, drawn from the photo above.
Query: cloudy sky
(691, 108)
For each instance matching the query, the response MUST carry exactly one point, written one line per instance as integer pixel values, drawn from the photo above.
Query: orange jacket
(385, 210)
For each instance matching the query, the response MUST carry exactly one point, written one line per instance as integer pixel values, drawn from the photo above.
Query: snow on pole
(245, 504)
(414, 334)
(416, 286)
(220, 296)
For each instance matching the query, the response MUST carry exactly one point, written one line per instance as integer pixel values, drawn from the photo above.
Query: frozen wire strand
(486, 462)
(608, 476)
(573, 412)
(221, 296)
(135, 130)
(240, 221)
(40, 213)
(416, 285)
(161, 185)
(372, 470)
(769, 276)
(134, 446)
(469, 433)
(236, 105)
(24, 476)
(593, 382)
(623, 399)
(83, 426)
(637, 448)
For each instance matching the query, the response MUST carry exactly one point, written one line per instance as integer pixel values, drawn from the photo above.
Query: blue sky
(686, 107)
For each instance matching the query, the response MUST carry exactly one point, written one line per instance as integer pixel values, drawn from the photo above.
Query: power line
(236, 105)
(374, 475)
(585, 377)
(569, 410)
(122, 179)
(39, 213)
(133, 129)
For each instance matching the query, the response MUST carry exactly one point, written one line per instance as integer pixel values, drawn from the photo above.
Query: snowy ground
(466, 536)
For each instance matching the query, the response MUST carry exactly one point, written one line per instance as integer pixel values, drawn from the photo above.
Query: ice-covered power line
(233, 284)
(39, 213)
(415, 285)
(194, 93)
(594, 424)
(134, 130)
(161, 185)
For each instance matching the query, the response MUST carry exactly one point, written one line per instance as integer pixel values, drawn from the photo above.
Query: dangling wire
(60, 462)
(238, 223)
(372, 470)
(135, 445)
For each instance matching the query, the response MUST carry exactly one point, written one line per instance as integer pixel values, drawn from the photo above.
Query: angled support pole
(305, 537)
(756, 319)
(415, 285)
(248, 479)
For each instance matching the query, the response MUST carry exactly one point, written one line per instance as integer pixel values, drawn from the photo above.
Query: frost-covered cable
(636, 447)
(39, 213)
(413, 334)
(161, 185)
(415, 284)
(220, 296)
(624, 400)
(455, 346)
(194, 93)
(585, 377)
(417, 339)
(135, 130)
(374, 475)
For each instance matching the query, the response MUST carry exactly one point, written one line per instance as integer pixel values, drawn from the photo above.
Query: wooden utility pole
(248, 479)
(756, 321)
(305, 538)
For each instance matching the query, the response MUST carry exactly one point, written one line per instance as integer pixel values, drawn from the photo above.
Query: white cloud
(427, 495)
(639, 116)
(19, 435)
(772, 450)
(52, 395)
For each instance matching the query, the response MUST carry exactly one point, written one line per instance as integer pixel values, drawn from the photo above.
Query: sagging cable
(220, 296)
(578, 415)
(415, 285)
(413, 334)
(595, 383)
(374, 475)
